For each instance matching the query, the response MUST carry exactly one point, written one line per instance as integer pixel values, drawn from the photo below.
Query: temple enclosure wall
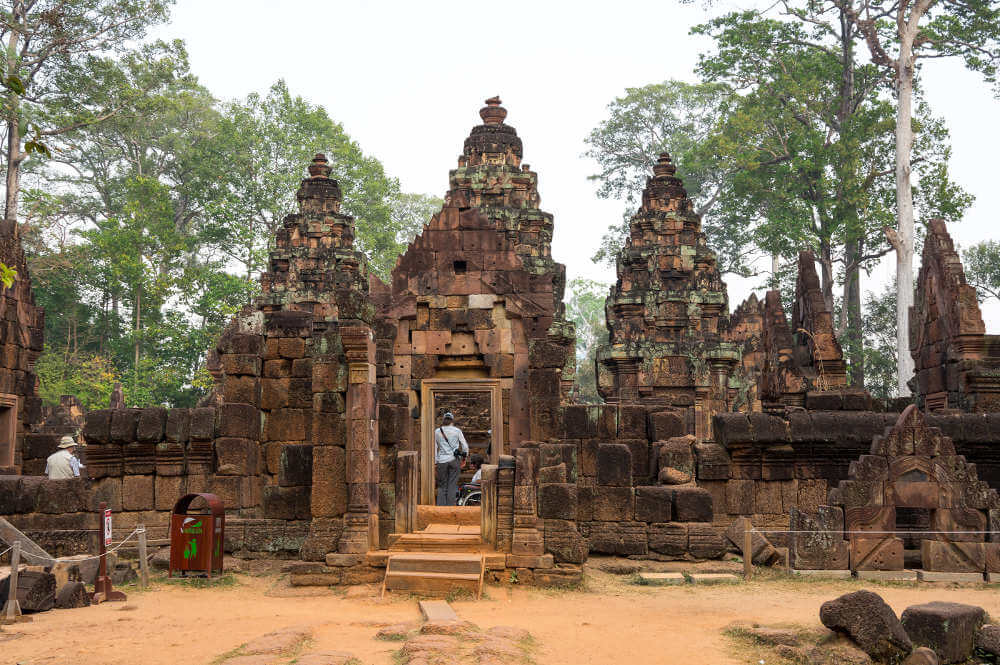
(318, 433)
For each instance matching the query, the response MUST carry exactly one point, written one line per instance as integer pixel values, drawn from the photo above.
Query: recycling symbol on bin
(193, 527)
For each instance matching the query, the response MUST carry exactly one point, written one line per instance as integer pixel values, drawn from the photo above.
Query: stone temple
(318, 434)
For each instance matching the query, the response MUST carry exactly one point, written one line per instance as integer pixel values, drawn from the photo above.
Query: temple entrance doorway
(478, 408)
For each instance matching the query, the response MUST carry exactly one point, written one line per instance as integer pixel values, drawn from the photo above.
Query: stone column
(361, 520)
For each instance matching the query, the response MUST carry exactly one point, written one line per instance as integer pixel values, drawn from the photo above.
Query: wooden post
(748, 551)
(488, 507)
(407, 491)
(143, 561)
(12, 609)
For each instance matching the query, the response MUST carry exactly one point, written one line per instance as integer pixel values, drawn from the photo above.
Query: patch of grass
(227, 580)
(638, 580)
(232, 653)
(458, 594)
(398, 657)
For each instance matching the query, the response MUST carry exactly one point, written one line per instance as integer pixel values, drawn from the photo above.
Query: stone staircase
(446, 555)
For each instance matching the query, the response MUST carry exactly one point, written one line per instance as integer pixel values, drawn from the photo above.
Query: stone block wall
(623, 481)
(59, 515)
(778, 462)
(22, 337)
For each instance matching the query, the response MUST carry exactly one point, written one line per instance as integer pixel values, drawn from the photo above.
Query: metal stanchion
(143, 561)
(12, 609)
(748, 552)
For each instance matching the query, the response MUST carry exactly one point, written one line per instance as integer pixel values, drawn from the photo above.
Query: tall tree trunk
(14, 154)
(138, 325)
(852, 307)
(904, 202)
(775, 267)
(826, 274)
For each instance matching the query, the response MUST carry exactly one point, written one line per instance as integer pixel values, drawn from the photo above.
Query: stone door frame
(428, 388)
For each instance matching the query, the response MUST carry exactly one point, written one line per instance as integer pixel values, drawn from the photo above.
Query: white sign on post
(107, 527)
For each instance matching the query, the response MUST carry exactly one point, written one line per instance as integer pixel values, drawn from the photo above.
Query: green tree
(410, 213)
(89, 377)
(879, 329)
(800, 137)
(270, 140)
(679, 118)
(982, 269)
(899, 34)
(585, 309)
(45, 42)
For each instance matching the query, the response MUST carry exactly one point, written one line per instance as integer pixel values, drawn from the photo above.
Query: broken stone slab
(869, 621)
(656, 579)
(830, 574)
(714, 578)
(437, 610)
(954, 578)
(509, 633)
(840, 651)
(455, 628)
(767, 634)
(888, 575)
(278, 642)
(397, 631)
(326, 658)
(430, 647)
(947, 628)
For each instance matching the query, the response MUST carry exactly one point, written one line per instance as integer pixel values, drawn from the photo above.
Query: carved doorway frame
(428, 389)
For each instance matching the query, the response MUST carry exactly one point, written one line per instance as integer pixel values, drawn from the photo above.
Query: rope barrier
(871, 533)
(89, 558)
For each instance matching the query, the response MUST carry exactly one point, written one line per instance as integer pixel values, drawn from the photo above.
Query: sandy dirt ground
(611, 619)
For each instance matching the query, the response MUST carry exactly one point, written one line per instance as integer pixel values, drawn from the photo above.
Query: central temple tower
(667, 312)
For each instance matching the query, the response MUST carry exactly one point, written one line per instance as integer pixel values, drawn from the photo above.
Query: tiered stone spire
(314, 266)
(664, 312)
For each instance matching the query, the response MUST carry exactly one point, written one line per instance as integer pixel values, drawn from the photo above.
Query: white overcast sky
(406, 79)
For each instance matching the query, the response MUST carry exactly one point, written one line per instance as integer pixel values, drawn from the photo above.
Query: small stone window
(460, 267)
(8, 429)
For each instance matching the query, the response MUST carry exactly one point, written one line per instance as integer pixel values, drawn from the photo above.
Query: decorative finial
(493, 113)
(664, 165)
(319, 168)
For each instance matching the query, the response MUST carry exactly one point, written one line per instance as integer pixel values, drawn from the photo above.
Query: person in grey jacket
(450, 452)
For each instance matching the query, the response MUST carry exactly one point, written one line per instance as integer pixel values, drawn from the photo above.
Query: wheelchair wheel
(472, 499)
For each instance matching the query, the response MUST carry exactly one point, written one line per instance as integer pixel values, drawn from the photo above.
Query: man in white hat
(63, 464)
(450, 451)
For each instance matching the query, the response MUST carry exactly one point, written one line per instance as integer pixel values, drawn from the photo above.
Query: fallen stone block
(865, 618)
(947, 628)
(72, 595)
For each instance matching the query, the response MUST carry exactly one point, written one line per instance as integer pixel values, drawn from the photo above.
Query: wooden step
(435, 573)
(464, 515)
(436, 584)
(437, 562)
(436, 542)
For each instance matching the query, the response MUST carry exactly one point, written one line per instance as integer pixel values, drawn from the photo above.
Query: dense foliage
(147, 227)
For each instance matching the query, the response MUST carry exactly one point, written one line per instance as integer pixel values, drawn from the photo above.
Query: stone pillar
(527, 538)
(361, 521)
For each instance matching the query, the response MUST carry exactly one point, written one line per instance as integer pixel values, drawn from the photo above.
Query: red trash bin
(196, 538)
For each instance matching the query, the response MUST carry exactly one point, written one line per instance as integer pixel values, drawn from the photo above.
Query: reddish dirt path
(609, 621)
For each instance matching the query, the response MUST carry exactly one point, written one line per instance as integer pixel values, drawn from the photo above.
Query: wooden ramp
(435, 573)
(448, 554)
(438, 538)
